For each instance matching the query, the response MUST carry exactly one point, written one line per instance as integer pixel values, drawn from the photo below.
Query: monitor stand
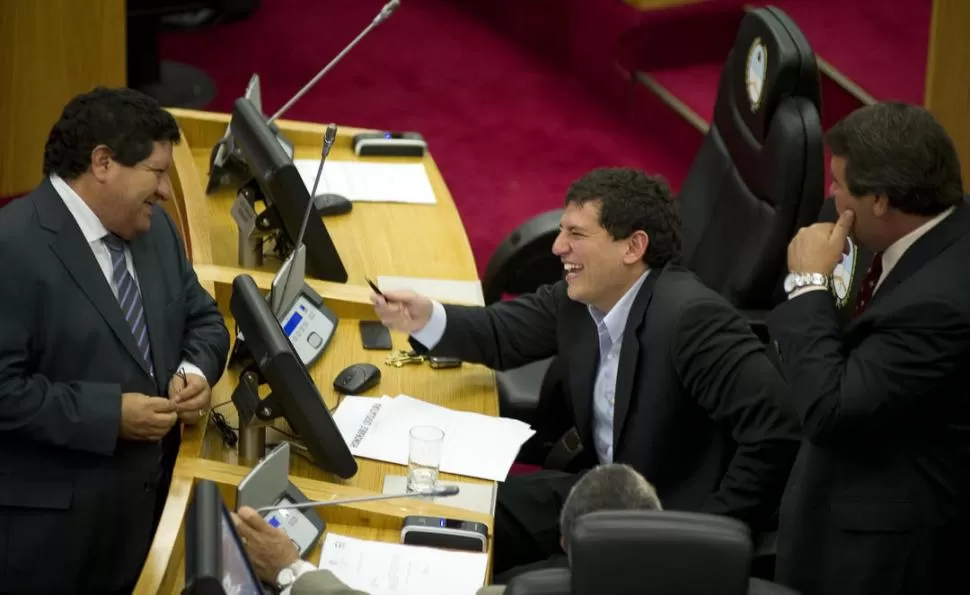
(255, 415)
(253, 228)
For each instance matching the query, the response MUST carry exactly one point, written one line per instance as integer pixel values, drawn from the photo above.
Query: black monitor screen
(288, 379)
(238, 577)
(273, 169)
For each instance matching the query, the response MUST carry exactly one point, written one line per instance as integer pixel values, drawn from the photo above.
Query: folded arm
(725, 369)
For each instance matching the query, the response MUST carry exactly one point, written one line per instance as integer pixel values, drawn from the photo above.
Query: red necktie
(869, 284)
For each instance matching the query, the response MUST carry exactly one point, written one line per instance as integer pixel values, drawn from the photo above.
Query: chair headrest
(771, 61)
(547, 581)
(660, 552)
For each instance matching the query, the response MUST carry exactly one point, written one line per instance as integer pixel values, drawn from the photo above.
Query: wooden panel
(50, 51)
(948, 74)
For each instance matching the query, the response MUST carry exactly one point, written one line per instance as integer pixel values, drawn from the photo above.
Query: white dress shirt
(94, 232)
(609, 326)
(892, 254)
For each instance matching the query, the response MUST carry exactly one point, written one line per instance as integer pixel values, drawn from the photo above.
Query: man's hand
(270, 549)
(402, 310)
(146, 418)
(190, 393)
(818, 248)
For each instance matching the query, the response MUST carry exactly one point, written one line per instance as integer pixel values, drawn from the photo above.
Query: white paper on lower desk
(475, 445)
(382, 568)
(448, 291)
(368, 181)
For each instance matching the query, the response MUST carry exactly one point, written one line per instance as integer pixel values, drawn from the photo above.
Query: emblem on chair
(754, 73)
(842, 275)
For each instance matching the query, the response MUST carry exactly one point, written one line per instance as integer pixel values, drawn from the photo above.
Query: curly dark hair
(901, 152)
(631, 200)
(126, 121)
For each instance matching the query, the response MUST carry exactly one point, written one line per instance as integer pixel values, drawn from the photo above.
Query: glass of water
(424, 457)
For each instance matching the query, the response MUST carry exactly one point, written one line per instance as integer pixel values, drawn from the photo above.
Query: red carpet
(519, 97)
(509, 131)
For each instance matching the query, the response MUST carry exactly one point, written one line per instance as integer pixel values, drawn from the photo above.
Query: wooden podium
(50, 51)
(373, 239)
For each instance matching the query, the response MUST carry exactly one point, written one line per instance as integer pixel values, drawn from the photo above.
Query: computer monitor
(215, 561)
(294, 395)
(284, 190)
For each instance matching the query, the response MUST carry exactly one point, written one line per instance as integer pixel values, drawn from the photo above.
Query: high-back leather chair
(759, 175)
(757, 178)
(656, 552)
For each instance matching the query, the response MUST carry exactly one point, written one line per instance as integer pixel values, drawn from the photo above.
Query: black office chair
(759, 174)
(173, 84)
(756, 180)
(523, 262)
(657, 552)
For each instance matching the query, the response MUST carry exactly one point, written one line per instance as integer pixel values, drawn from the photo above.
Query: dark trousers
(527, 512)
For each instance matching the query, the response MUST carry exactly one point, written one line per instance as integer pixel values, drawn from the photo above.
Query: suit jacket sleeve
(205, 342)
(896, 369)
(725, 369)
(82, 416)
(506, 334)
(321, 582)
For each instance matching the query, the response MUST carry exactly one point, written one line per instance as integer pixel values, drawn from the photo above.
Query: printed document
(383, 568)
(475, 445)
(368, 181)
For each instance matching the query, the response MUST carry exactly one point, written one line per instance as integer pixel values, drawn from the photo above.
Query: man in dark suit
(879, 496)
(107, 341)
(660, 372)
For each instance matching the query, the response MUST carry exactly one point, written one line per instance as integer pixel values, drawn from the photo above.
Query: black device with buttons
(389, 144)
(357, 378)
(452, 534)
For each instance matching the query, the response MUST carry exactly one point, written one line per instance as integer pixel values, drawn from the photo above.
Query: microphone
(435, 492)
(382, 16)
(288, 282)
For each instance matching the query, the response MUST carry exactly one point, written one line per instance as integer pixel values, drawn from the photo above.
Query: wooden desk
(374, 239)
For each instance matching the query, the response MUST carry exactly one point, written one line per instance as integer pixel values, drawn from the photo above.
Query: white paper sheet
(368, 181)
(382, 568)
(467, 293)
(475, 445)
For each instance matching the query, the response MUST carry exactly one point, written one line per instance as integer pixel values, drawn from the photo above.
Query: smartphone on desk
(375, 335)
(440, 363)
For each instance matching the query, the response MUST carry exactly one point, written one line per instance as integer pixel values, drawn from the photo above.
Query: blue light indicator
(387, 135)
(274, 522)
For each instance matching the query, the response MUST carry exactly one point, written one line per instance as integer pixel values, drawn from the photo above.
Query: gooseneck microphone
(329, 137)
(382, 16)
(435, 492)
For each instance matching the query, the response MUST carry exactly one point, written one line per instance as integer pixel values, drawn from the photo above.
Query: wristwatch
(288, 575)
(798, 280)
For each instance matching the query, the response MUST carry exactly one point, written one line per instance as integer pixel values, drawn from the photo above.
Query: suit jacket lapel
(72, 249)
(628, 366)
(582, 365)
(936, 240)
(146, 264)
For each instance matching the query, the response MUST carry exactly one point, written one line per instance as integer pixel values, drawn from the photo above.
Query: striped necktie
(129, 298)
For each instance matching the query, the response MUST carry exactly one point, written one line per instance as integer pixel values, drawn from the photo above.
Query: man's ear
(562, 542)
(880, 205)
(637, 245)
(101, 161)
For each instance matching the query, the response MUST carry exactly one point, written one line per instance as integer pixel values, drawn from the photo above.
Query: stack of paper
(368, 181)
(475, 445)
(382, 568)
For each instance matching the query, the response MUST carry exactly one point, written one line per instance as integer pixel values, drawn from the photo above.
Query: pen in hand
(376, 289)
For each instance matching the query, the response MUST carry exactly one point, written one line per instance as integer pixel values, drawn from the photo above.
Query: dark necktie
(129, 298)
(869, 284)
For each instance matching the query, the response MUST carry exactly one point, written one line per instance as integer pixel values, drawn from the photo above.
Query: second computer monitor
(280, 182)
(288, 379)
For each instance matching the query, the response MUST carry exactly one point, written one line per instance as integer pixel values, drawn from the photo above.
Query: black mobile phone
(440, 362)
(374, 335)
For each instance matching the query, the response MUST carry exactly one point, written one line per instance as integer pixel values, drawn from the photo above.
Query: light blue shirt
(609, 326)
